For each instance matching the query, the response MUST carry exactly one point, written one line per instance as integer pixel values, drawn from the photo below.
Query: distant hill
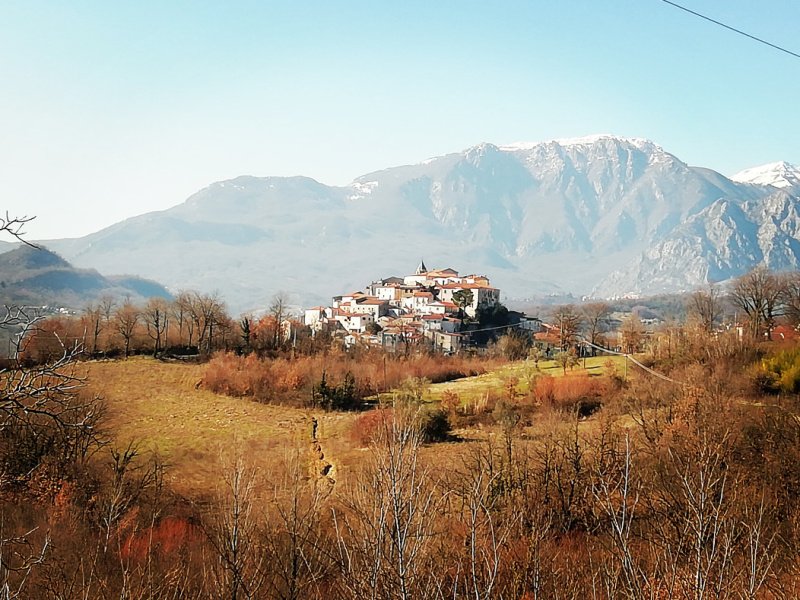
(38, 277)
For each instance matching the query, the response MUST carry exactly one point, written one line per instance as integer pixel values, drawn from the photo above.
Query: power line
(633, 360)
(739, 31)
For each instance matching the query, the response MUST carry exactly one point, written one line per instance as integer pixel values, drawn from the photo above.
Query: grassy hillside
(196, 432)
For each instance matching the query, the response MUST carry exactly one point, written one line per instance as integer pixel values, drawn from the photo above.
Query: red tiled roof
(784, 332)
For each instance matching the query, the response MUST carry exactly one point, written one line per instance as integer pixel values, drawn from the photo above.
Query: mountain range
(602, 215)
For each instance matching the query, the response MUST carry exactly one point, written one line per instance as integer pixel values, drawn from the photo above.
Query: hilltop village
(430, 306)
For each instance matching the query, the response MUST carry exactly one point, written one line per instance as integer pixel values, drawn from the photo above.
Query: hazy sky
(112, 109)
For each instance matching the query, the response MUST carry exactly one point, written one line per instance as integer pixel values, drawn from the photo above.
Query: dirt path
(321, 467)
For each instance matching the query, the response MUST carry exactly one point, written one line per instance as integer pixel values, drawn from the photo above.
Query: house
(531, 324)
(416, 301)
(439, 308)
(356, 322)
(365, 304)
(448, 342)
(482, 295)
(388, 289)
(346, 298)
(443, 276)
(314, 317)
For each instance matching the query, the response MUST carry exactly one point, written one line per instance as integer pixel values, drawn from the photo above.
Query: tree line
(192, 323)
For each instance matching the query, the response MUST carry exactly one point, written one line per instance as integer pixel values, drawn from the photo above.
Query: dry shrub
(47, 340)
(368, 426)
(780, 372)
(290, 381)
(476, 411)
(451, 402)
(168, 536)
(568, 393)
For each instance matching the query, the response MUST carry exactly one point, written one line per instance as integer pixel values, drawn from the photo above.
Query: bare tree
(386, 528)
(568, 322)
(126, 318)
(705, 306)
(596, 316)
(706, 493)
(93, 318)
(18, 558)
(226, 330)
(181, 312)
(758, 294)
(233, 533)
(130, 479)
(474, 498)
(759, 551)
(155, 317)
(294, 545)
(42, 414)
(791, 297)
(206, 311)
(632, 331)
(617, 491)
(278, 310)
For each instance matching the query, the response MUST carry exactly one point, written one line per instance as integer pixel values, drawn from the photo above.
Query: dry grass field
(197, 432)
(495, 381)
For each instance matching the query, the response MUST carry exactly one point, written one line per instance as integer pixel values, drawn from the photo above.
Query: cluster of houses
(426, 307)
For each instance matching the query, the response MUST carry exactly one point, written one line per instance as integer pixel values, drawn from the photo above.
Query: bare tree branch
(14, 226)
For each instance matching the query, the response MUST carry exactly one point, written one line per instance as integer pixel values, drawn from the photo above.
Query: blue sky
(112, 109)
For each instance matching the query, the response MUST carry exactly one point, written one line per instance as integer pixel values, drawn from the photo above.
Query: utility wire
(633, 360)
(739, 31)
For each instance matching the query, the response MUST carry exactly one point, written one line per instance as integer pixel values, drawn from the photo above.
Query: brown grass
(196, 431)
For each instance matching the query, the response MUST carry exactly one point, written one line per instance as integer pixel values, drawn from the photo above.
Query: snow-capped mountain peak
(778, 174)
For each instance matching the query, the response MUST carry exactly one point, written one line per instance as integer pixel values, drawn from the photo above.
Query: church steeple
(422, 269)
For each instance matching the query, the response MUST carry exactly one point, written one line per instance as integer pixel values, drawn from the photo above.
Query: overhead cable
(739, 31)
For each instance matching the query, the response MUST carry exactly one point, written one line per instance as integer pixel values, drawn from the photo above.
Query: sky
(113, 109)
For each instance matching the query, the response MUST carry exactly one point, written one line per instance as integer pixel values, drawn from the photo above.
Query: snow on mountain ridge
(779, 174)
(641, 143)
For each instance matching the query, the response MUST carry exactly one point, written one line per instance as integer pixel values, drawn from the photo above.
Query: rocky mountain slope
(567, 215)
(724, 240)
